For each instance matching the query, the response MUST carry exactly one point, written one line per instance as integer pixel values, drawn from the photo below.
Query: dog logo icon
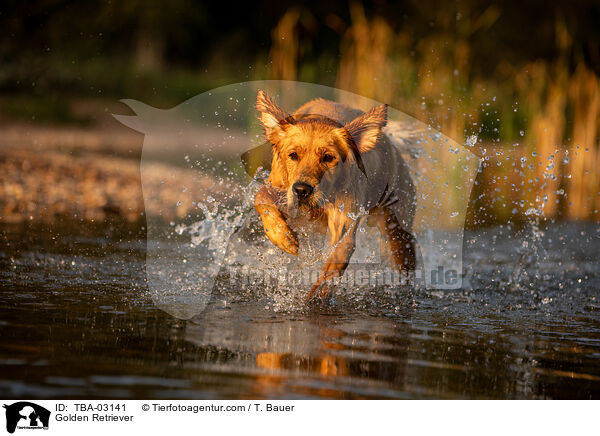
(26, 415)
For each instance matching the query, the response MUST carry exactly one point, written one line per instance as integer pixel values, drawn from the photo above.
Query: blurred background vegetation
(521, 76)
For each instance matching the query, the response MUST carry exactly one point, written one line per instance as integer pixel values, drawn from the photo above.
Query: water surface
(77, 321)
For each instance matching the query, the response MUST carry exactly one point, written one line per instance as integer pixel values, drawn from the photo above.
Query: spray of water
(216, 249)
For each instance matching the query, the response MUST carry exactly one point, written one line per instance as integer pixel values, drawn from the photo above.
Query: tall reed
(537, 123)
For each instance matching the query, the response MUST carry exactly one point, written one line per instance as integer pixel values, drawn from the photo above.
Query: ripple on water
(79, 324)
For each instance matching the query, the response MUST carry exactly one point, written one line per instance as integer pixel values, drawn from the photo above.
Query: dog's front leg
(338, 260)
(276, 228)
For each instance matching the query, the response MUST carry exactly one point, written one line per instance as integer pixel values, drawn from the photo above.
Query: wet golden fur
(350, 168)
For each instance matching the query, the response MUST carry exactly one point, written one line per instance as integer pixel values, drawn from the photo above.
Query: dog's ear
(274, 119)
(366, 129)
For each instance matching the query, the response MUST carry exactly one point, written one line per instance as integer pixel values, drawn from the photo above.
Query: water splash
(215, 230)
(532, 254)
(216, 227)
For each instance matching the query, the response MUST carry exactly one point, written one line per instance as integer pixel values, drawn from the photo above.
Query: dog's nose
(302, 190)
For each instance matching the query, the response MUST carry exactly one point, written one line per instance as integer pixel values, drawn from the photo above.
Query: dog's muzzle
(302, 190)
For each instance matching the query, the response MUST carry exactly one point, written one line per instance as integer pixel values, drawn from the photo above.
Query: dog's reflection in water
(341, 360)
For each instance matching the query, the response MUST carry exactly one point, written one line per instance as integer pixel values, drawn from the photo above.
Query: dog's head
(310, 150)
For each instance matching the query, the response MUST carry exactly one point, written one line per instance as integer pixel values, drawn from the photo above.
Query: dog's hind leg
(400, 243)
(337, 262)
(274, 224)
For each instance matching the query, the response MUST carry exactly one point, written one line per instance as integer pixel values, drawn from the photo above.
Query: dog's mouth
(304, 198)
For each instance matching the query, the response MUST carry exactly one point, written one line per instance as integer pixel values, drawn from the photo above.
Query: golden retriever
(333, 166)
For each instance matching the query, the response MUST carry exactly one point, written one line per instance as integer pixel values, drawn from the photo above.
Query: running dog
(332, 166)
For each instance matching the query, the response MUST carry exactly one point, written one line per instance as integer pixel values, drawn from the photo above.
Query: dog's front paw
(280, 234)
(274, 224)
(323, 299)
(288, 243)
(320, 291)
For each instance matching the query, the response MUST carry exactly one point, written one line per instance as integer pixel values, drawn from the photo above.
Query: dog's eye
(293, 155)
(328, 158)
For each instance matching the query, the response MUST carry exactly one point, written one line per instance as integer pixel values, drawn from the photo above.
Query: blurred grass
(46, 93)
(47, 108)
(536, 118)
(536, 123)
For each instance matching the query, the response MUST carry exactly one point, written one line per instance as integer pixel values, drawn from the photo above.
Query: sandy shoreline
(91, 174)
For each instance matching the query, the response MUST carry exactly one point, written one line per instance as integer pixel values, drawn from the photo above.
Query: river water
(77, 321)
